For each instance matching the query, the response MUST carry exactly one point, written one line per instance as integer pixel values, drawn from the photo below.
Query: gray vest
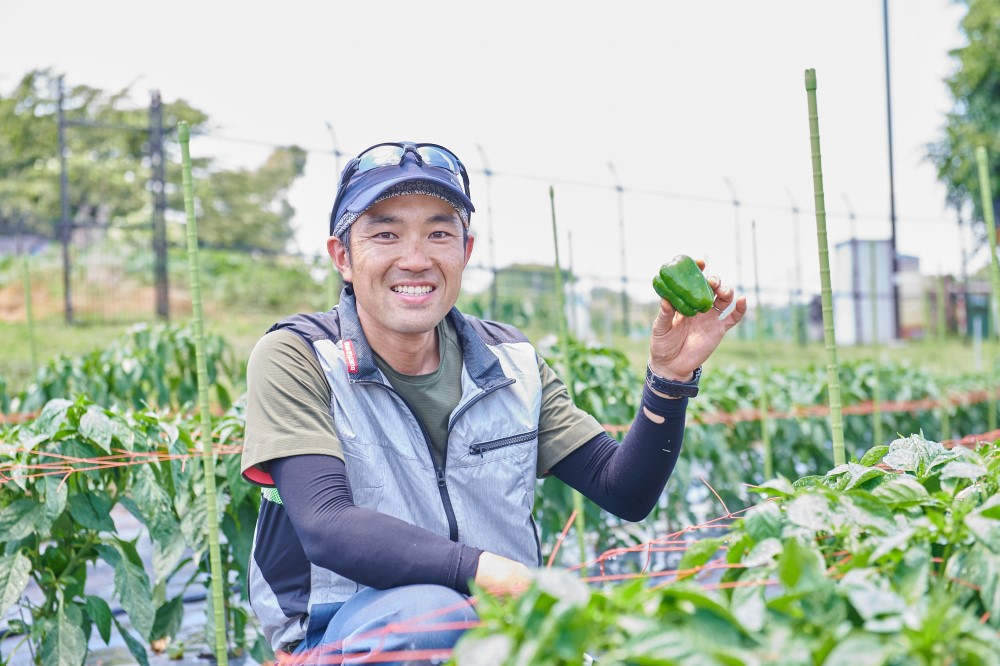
(482, 495)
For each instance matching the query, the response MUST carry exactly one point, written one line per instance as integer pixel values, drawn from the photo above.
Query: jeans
(431, 619)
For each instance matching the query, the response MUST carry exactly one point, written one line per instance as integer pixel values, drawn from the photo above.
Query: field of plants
(875, 559)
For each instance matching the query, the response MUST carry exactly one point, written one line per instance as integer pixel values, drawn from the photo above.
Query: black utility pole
(65, 226)
(159, 206)
(892, 182)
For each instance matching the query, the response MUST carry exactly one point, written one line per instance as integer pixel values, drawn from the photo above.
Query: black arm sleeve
(368, 547)
(627, 479)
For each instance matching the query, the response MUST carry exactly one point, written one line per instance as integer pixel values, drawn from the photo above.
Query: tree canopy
(975, 118)
(109, 172)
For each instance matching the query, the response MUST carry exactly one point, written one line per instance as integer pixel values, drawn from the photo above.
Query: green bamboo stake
(832, 369)
(215, 558)
(986, 192)
(876, 349)
(765, 433)
(579, 523)
(29, 314)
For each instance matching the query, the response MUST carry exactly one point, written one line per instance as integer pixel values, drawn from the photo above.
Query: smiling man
(398, 440)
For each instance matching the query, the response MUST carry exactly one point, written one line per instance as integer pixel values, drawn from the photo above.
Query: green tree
(249, 208)
(107, 157)
(975, 118)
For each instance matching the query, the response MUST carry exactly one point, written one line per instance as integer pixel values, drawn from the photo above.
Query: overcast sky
(679, 96)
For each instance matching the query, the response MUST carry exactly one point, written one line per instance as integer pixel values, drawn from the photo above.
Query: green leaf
(858, 649)
(901, 491)
(64, 643)
(982, 568)
(874, 455)
(153, 504)
(167, 555)
(56, 493)
(874, 599)
(261, 652)
(698, 553)
(15, 571)
(92, 510)
(21, 518)
(855, 474)
(763, 521)
(962, 470)
(194, 522)
(800, 567)
(811, 511)
(168, 619)
(52, 417)
(986, 529)
(123, 433)
(100, 613)
(779, 486)
(763, 553)
(747, 602)
(134, 591)
(911, 454)
(866, 511)
(885, 545)
(96, 426)
(135, 647)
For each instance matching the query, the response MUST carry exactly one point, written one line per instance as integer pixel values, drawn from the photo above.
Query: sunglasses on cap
(386, 155)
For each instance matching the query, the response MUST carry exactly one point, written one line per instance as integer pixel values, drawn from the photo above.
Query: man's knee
(407, 618)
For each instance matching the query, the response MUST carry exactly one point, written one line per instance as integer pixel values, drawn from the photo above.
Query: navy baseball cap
(432, 169)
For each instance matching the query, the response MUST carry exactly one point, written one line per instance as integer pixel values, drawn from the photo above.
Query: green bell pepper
(681, 282)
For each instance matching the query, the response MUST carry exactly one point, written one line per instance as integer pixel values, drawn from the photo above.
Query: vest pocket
(482, 448)
(366, 476)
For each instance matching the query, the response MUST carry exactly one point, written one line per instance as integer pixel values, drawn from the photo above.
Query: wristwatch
(673, 388)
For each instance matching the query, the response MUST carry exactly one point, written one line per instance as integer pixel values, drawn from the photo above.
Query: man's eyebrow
(387, 218)
(444, 217)
(380, 219)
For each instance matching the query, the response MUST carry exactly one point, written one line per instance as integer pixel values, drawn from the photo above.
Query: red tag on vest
(352, 360)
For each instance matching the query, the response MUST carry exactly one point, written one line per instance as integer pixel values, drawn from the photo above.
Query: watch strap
(673, 388)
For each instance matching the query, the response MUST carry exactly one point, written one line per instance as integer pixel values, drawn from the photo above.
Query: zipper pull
(440, 476)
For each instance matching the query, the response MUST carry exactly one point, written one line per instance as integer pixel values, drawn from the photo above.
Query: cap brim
(366, 197)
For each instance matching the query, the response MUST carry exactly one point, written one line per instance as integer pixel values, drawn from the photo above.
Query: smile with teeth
(413, 291)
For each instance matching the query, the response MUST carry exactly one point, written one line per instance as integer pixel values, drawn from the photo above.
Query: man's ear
(338, 252)
(468, 248)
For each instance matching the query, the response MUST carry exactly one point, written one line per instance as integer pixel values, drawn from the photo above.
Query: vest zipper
(483, 447)
(476, 399)
(449, 510)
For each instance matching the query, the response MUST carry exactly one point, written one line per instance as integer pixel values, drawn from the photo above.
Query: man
(399, 440)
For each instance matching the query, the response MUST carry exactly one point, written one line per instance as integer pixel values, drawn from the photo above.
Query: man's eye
(440, 234)
(385, 235)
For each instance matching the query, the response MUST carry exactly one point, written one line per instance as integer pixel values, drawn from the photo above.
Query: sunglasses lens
(380, 156)
(434, 156)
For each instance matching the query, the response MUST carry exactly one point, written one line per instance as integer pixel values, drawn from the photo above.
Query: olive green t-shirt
(289, 399)
(434, 396)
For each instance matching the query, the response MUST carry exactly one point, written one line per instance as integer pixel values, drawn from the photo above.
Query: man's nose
(415, 256)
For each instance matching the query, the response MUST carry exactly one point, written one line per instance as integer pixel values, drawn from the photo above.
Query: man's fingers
(665, 319)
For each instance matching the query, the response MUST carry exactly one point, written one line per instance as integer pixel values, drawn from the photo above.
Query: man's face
(406, 263)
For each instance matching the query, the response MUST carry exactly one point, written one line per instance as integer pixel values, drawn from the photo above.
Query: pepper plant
(63, 473)
(149, 365)
(890, 560)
